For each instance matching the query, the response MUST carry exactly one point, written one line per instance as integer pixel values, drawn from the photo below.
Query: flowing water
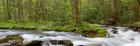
(121, 37)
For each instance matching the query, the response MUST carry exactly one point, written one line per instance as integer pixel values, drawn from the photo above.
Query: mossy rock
(90, 33)
(13, 40)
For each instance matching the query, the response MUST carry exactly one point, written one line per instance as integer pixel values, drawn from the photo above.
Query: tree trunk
(75, 12)
(114, 12)
(76, 15)
(138, 10)
(30, 9)
(42, 10)
(4, 13)
(36, 12)
(20, 9)
(8, 10)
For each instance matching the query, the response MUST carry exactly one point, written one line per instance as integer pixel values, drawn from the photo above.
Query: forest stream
(124, 37)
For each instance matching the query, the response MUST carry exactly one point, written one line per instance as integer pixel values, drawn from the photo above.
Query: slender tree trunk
(138, 10)
(36, 12)
(20, 9)
(76, 15)
(15, 10)
(42, 8)
(30, 9)
(114, 12)
(8, 10)
(4, 13)
(75, 12)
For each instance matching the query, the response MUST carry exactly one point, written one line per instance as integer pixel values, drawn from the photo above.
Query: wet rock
(34, 43)
(52, 42)
(13, 40)
(90, 33)
(114, 31)
(62, 42)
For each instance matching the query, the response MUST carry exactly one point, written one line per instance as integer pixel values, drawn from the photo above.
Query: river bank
(83, 28)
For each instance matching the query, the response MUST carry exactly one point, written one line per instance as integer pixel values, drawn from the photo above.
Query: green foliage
(92, 11)
(56, 26)
(57, 15)
(95, 29)
(18, 25)
(91, 14)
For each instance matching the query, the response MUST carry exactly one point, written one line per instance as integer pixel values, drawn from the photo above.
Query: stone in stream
(61, 42)
(12, 40)
(52, 42)
(114, 31)
(34, 43)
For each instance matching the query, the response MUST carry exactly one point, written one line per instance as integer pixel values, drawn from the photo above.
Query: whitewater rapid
(124, 37)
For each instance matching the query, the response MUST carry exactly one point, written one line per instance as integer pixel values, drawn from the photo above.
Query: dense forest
(68, 15)
(69, 22)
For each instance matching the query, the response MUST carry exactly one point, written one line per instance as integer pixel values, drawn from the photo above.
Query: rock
(47, 43)
(5, 44)
(90, 33)
(62, 42)
(34, 43)
(13, 40)
(17, 38)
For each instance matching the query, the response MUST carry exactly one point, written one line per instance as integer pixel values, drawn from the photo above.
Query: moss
(92, 30)
(57, 26)
(12, 38)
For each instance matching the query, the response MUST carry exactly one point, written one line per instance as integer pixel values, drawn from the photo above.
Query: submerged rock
(49, 43)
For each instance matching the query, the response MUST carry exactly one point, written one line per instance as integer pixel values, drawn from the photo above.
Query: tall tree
(40, 10)
(8, 10)
(30, 7)
(4, 11)
(138, 9)
(20, 9)
(76, 15)
(114, 12)
(75, 11)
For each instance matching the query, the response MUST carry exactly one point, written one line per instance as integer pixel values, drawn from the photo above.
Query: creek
(122, 37)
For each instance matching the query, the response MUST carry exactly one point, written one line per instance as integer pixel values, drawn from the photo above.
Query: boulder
(61, 42)
(12, 40)
(34, 43)
(52, 42)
